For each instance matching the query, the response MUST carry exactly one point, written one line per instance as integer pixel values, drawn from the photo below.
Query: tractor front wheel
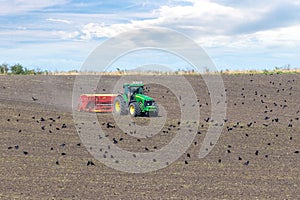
(154, 113)
(134, 109)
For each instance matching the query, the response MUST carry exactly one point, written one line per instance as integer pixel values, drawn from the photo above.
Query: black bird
(146, 149)
(220, 160)
(256, 152)
(108, 125)
(296, 152)
(115, 141)
(16, 146)
(25, 152)
(34, 99)
(247, 163)
(42, 119)
(9, 147)
(63, 154)
(57, 162)
(90, 163)
(240, 158)
(79, 144)
(188, 155)
(64, 126)
(186, 162)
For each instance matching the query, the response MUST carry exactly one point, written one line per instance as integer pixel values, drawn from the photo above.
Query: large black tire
(134, 109)
(120, 107)
(155, 113)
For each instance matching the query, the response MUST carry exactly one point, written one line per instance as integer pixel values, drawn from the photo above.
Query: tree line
(18, 69)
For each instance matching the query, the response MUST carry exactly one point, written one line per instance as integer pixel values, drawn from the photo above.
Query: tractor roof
(135, 84)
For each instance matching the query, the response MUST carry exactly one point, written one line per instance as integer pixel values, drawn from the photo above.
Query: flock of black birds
(269, 113)
(48, 126)
(271, 109)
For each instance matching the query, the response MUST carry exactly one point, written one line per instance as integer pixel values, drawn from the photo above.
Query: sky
(236, 35)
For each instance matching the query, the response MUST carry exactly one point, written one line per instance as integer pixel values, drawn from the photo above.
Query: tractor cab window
(136, 90)
(126, 90)
(140, 90)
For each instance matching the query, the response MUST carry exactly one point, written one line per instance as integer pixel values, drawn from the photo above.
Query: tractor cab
(130, 90)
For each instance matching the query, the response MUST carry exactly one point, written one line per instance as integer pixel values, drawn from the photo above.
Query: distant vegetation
(18, 69)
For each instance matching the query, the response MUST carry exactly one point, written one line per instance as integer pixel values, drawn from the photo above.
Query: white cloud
(203, 17)
(66, 35)
(11, 7)
(92, 30)
(283, 37)
(209, 23)
(59, 20)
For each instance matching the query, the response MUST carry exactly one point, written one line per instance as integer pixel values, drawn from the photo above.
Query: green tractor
(134, 101)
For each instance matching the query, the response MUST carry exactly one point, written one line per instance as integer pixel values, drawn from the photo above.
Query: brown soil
(257, 155)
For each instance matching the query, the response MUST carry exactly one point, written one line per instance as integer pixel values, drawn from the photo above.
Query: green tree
(17, 69)
(4, 68)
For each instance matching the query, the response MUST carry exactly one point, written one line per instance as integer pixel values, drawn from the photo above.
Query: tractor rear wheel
(134, 109)
(120, 106)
